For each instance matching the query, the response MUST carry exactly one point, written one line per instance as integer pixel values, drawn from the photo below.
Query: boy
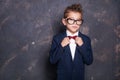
(71, 49)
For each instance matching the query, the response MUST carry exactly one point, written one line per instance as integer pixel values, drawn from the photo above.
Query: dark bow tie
(72, 37)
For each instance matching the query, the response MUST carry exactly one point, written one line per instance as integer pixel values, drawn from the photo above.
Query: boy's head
(73, 17)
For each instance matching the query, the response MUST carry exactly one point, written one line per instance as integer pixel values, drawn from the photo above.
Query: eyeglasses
(72, 21)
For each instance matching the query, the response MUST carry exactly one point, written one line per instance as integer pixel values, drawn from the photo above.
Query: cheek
(68, 26)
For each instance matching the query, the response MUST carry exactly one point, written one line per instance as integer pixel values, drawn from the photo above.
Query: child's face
(73, 21)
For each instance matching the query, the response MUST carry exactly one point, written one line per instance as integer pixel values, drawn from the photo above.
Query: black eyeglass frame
(67, 20)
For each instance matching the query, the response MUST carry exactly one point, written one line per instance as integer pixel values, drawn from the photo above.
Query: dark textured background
(27, 28)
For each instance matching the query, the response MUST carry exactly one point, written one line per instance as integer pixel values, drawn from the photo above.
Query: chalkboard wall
(27, 28)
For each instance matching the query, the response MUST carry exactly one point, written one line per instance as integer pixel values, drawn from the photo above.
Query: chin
(75, 31)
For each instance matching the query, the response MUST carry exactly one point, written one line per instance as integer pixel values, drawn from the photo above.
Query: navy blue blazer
(68, 69)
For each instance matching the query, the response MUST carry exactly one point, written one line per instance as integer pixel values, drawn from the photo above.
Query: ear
(63, 21)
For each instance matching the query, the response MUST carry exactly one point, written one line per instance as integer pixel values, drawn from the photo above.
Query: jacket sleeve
(86, 51)
(55, 51)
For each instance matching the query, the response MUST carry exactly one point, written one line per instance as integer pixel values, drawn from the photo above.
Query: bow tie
(72, 37)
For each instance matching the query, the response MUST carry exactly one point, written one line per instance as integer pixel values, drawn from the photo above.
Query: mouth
(75, 27)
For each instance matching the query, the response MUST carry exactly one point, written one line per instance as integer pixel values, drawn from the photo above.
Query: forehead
(74, 15)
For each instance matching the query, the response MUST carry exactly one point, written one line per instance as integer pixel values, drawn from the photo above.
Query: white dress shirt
(72, 44)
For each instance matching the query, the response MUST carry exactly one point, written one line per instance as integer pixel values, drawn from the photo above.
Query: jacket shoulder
(59, 36)
(84, 36)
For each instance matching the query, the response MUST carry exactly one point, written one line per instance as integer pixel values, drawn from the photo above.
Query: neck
(72, 33)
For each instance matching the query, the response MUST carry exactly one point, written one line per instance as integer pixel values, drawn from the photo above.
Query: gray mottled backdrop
(27, 28)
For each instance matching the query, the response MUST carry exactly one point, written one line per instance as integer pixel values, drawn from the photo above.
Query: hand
(79, 41)
(65, 42)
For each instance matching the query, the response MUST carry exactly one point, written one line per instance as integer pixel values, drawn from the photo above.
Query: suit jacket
(68, 69)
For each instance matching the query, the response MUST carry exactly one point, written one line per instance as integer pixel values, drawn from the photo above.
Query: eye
(79, 21)
(70, 20)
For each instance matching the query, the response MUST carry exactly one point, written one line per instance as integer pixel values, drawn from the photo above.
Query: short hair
(74, 8)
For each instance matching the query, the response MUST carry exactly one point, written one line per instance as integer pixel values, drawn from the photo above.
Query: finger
(67, 38)
(78, 37)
